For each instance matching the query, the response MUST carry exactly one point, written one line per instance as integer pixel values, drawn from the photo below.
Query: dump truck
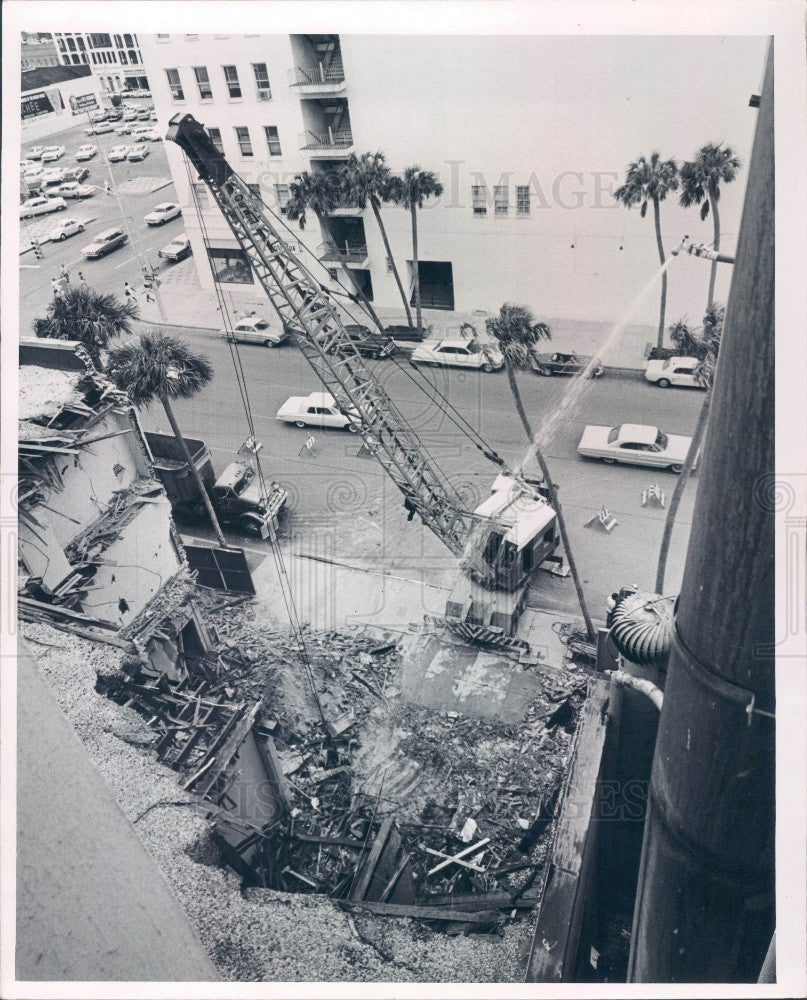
(237, 497)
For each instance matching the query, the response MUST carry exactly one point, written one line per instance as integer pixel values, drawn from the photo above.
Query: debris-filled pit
(319, 778)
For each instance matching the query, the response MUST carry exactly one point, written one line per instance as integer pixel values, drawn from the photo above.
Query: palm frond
(158, 364)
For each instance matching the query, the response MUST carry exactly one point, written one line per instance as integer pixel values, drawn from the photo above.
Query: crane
(508, 535)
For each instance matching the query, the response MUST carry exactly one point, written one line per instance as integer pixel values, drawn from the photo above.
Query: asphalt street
(348, 498)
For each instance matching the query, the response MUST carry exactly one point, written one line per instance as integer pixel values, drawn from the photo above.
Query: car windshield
(613, 434)
(473, 347)
(661, 440)
(261, 325)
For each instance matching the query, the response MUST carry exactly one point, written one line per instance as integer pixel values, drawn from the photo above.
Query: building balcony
(328, 144)
(312, 81)
(348, 254)
(345, 209)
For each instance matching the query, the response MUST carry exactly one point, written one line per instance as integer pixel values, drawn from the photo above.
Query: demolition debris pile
(380, 805)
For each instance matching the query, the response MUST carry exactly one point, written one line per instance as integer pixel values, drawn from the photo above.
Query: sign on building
(84, 102)
(35, 105)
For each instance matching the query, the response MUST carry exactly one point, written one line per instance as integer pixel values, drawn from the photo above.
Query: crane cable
(280, 566)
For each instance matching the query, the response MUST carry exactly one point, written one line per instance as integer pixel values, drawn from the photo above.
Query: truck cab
(240, 502)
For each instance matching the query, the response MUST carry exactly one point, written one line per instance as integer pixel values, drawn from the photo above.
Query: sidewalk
(187, 304)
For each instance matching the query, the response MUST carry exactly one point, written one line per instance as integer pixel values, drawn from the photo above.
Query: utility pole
(705, 900)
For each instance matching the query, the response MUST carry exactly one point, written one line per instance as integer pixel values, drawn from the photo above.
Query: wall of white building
(61, 118)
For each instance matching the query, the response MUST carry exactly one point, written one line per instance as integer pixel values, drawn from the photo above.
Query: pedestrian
(129, 292)
(107, 188)
(56, 285)
(65, 275)
(82, 280)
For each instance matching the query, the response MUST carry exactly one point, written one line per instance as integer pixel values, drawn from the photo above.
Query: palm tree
(410, 190)
(685, 341)
(705, 374)
(366, 179)
(700, 185)
(651, 181)
(88, 317)
(516, 331)
(320, 193)
(160, 366)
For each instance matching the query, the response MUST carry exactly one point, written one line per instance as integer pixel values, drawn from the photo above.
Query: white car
(152, 135)
(257, 330)
(100, 128)
(118, 153)
(72, 189)
(33, 175)
(673, 371)
(35, 152)
(460, 354)
(55, 175)
(87, 151)
(41, 206)
(67, 227)
(178, 249)
(161, 213)
(123, 129)
(51, 153)
(635, 444)
(317, 410)
(27, 165)
(137, 154)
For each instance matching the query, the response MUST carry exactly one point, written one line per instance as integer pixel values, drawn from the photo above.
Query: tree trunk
(380, 221)
(415, 268)
(662, 260)
(553, 498)
(353, 281)
(716, 247)
(678, 492)
(172, 420)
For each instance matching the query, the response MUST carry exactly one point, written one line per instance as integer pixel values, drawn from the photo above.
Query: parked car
(72, 189)
(118, 153)
(114, 114)
(368, 343)
(257, 330)
(76, 173)
(130, 115)
(51, 153)
(319, 409)
(105, 243)
(143, 114)
(67, 227)
(99, 115)
(162, 213)
(100, 128)
(564, 364)
(460, 354)
(86, 152)
(152, 135)
(178, 249)
(137, 154)
(27, 165)
(35, 153)
(55, 175)
(41, 206)
(33, 175)
(635, 444)
(125, 129)
(673, 371)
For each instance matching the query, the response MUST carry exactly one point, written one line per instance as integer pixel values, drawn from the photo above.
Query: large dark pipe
(705, 901)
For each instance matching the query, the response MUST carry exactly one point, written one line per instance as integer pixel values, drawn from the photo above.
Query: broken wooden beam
(422, 912)
(457, 858)
(369, 866)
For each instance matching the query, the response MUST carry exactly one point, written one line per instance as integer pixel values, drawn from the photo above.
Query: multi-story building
(527, 212)
(38, 50)
(114, 59)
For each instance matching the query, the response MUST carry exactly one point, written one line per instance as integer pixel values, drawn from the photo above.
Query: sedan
(368, 343)
(162, 213)
(41, 206)
(86, 152)
(564, 364)
(635, 444)
(178, 249)
(35, 153)
(76, 174)
(105, 243)
(459, 354)
(118, 153)
(123, 130)
(100, 128)
(256, 330)
(50, 153)
(137, 155)
(72, 189)
(317, 410)
(55, 175)
(67, 227)
(673, 371)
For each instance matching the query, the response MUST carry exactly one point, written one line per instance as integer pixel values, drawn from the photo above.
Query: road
(343, 505)
(104, 210)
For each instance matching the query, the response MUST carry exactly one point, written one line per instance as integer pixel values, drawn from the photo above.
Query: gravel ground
(258, 935)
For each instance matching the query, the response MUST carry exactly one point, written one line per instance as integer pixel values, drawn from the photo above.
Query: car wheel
(487, 367)
(81, 228)
(609, 461)
(663, 383)
(63, 237)
(677, 468)
(61, 208)
(547, 372)
(353, 428)
(299, 423)
(269, 343)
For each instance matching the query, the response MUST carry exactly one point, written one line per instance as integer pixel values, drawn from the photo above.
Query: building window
(201, 194)
(272, 140)
(75, 59)
(501, 204)
(127, 40)
(101, 41)
(118, 41)
(203, 83)
(62, 46)
(230, 266)
(122, 57)
(134, 58)
(71, 44)
(94, 57)
(231, 79)
(81, 44)
(175, 84)
(215, 138)
(262, 81)
(84, 57)
(523, 199)
(244, 142)
(283, 194)
(480, 205)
